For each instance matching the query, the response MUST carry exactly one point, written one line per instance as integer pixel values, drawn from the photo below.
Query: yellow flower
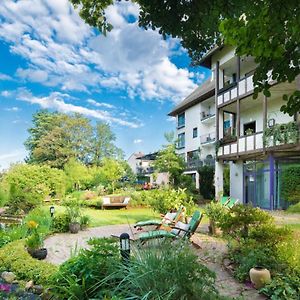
(32, 224)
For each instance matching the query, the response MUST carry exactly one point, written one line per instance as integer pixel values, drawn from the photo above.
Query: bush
(61, 222)
(3, 197)
(294, 208)
(97, 203)
(14, 258)
(283, 287)
(164, 200)
(241, 218)
(28, 185)
(206, 181)
(290, 183)
(81, 277)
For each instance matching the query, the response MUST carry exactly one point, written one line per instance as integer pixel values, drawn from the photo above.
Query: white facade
(235, 130)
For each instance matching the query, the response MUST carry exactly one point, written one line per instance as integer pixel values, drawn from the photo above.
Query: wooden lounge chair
(232, 202)
(224, 200)
(180, 230)
(168, 219)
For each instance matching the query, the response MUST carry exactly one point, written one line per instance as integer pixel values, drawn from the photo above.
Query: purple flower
(4, 287)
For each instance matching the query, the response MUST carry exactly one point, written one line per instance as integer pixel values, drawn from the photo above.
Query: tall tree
(55, 138)
(103, 144)
(266, 29)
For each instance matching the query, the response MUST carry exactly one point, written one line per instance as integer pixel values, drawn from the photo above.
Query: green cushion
(231, 203)
(224, 199)
(148, 223)
(156, 234)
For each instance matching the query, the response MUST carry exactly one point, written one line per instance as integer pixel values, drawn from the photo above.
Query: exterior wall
(236, 180)
(219, 167)
(161, 179)
(132, 162)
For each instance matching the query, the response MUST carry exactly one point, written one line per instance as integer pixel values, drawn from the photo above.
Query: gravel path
(61, 245)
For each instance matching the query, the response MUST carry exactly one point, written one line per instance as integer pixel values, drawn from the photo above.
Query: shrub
(14, 258)
(97, 203)
(283, 287)
(164, 200)
(28, 185)
(61, 222)
(3, 197)
(85, 221)
(216, 212)
(242, 218)
(294, 208)
(206, 181)
(290, 183)
(81, 277)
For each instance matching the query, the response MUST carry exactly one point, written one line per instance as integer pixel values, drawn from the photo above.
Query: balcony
(144, 170)
(194, 164)
(208, 139)
(207, 117)
(241, 88)
(288, 134)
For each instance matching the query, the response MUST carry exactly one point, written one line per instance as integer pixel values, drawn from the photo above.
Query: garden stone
(37, 289)
(9, 277)
(29, 285)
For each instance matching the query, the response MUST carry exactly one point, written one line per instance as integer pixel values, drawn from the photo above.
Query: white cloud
(65, 53)
(6, 93)
(5, 77)
(171, 119)
(137, 141)
(99, 104)
(14, 109)
(56, 101)
(14, 156)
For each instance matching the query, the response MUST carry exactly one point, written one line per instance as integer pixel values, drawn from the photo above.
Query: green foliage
(283, 287)
(179, 277)
(163, 200)
(96, 203)
(226, 180)
(73, 209)
(169, 161)
(77, 174)
(4, 197)
(14, 258)
(290, 183)
(241, 218)
(294, 208)
(85, 221)
(28, 185)
(281, 134)
(61, 222)
(81, 277)
(216, 212)
(112, 171)
(206, 181)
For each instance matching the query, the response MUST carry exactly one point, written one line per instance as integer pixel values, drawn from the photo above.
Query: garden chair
(168, 219)
(232, 202)
(224, 200)
(180, 230)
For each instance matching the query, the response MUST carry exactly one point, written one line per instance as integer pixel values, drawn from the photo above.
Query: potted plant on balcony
(34, 243)
(249, 131)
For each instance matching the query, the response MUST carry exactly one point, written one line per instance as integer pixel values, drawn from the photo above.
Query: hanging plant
(287, 133)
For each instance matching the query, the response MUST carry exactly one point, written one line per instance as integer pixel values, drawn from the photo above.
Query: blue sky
(49, 58)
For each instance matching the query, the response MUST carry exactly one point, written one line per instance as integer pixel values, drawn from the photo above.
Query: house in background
(196, 129)
(142, 166)
(256, 139)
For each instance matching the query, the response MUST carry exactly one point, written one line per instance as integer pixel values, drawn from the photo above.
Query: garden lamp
(52, 209)
(125, 247)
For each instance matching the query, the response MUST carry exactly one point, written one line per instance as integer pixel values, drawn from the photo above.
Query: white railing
(244, 86)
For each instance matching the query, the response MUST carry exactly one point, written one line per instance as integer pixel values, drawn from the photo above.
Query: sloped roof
(201, 93)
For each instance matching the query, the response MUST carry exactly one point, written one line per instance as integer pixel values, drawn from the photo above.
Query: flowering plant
(35, 240)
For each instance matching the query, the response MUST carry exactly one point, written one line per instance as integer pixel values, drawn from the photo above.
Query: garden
(55, 201)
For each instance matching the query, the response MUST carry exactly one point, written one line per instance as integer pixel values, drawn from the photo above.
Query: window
(181, 120)
(228, 124)
(250, 128)
(195, 132)
(181, 140)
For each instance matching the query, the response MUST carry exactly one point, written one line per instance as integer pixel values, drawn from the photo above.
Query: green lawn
(114, 216)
